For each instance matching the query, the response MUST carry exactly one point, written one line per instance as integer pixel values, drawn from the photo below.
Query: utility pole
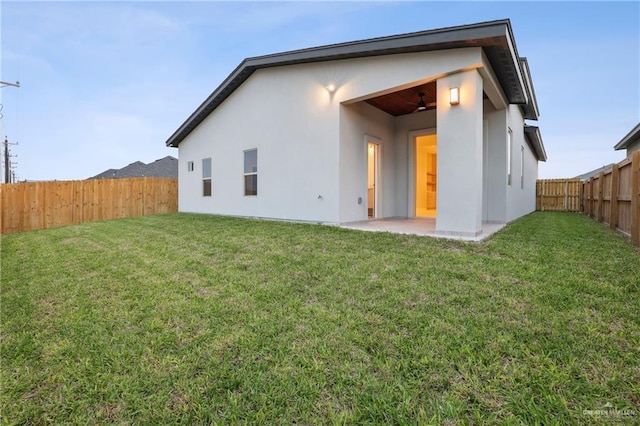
(7, 160)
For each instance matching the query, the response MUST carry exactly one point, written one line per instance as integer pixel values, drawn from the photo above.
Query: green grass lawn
(187, 319)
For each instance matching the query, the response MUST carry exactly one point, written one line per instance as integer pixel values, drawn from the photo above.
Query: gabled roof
(164, 167)
(107, 174)
(495, 37)
(629, 139)
(532, 133)
(135, 169)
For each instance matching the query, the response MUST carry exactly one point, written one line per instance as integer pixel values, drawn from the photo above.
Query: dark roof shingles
(164, 167)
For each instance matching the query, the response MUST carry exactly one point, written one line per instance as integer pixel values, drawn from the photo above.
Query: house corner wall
(460, 156)
(521, 196)
(496, 164)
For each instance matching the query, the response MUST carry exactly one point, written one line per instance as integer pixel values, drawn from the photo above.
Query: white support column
(460, 162)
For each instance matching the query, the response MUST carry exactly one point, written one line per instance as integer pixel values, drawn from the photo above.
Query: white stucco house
(428, 124)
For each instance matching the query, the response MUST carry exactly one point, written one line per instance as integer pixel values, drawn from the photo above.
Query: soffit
(534, 138)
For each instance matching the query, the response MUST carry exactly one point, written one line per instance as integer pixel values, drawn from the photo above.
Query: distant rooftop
(592, 173)
(164, 167)
(630, 138)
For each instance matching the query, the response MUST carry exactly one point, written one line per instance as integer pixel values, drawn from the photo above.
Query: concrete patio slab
(423, 227)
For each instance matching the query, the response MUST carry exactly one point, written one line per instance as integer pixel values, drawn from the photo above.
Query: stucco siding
(286, 115)
(460, 156)
(358, 79)
(521, 200)
(495, 165)
(356, 122)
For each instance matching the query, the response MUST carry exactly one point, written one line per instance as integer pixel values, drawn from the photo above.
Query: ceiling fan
(422, 105)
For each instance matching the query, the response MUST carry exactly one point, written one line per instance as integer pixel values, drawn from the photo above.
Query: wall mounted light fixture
(454, 96)
(331, 87)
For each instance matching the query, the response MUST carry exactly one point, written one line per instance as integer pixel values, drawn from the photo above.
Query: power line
(6, 83)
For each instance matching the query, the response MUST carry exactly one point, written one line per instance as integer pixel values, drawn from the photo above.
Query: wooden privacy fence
(559, 195)
(611, 197)
(36, 205)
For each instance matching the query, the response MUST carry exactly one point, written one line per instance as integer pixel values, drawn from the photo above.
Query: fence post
(613, 212)
(538, 195)
(590, 198)
(585, 195)
(600, 217)
(635, 198)
(592, 201)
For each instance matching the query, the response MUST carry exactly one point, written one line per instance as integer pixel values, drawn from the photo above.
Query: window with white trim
(206, 177)
(509, 155)
(251, 172)
(189, 166)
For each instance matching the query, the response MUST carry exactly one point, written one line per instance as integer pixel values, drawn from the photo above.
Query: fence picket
(635, 198)
(35, 205)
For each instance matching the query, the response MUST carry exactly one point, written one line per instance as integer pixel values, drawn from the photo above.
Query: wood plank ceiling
(406, 101)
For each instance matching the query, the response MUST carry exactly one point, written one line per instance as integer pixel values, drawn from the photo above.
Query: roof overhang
(630, 138)
(495, 38)
(530, 109)
(534, 138)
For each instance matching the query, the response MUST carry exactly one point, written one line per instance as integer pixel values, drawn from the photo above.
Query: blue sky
(104, 84)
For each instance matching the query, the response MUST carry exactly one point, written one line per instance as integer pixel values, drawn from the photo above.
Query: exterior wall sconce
(331, 87)
(454, 96)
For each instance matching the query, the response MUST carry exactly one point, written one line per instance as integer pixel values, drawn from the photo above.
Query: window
(206, 177)
(251, 172)
(189, 166)
(509, 159)
(522, 167)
